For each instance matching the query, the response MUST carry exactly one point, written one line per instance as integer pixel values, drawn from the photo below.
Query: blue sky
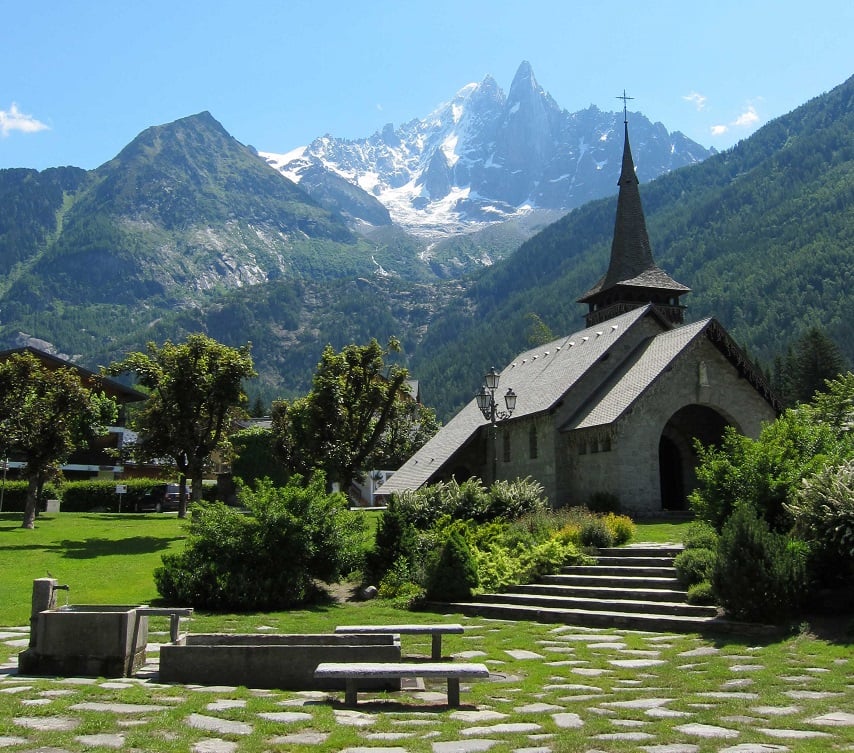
(80, 79)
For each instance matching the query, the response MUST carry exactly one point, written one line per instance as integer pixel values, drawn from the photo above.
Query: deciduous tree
(46, 414)
(194, 387)
(358, 407)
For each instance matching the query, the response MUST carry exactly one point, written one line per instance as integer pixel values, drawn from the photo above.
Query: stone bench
(356, 673)
(435, 630)
(173, 613)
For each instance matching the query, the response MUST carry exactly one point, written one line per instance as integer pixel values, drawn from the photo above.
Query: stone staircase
(632, 587)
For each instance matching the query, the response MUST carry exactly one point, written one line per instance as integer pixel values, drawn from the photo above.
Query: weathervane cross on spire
(625, 110)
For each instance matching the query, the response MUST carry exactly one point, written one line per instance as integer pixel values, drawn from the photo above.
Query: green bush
(701, 593)
(700, 535)
(100, 495)
(621, 527)
(454, 575)
(595, 533)
(15, 494)
(694, 566)
(394, 540)
(398, 587)
(758, 575)
(510, 500)
(268, 559)
(823, 510)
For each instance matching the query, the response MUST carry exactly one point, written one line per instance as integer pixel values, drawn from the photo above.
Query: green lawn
(103, 558)
(749, 686)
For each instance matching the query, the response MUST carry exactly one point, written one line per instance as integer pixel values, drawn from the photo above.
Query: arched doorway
(677, 459)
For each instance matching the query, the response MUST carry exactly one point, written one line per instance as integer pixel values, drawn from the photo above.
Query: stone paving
(574, 689)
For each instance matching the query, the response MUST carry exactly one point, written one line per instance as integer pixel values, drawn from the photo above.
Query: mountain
(486, 157)
(763, 234)
(187, 230)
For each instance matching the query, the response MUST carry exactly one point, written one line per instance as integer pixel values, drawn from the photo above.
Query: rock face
(487, 157)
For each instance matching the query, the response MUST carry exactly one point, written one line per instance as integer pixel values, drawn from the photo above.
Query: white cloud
(748, 118)
(698, 100)
(14, 120)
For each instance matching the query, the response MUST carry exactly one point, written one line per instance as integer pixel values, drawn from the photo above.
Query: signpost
(121, 489)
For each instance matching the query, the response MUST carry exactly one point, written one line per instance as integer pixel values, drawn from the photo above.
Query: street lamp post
(486, 402)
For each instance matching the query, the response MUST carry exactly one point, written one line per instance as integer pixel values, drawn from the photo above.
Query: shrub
(497, 568)
(621, 527)
(757, 575)
(701, 593)
(823, 510)
(268, 559)
(700, 535)
(510, 500)
(595, 533)
(694, 566)
(398, 587)
(100, 495)
(393, 540)
(15, 494)
(454, 575)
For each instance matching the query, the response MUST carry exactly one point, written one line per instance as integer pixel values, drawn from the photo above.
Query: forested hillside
(762, 233)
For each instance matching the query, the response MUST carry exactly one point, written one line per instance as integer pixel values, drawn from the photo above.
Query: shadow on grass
(91, 548)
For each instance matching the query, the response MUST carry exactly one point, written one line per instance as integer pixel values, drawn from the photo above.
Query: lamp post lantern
(486, 402)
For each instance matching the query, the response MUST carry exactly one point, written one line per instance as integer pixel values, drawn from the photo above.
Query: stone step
(594, 618)
(667, 550)
(607, 580)
(632, 587)
(620, 571)
(635, 561)
(603, 592)
(528, 598)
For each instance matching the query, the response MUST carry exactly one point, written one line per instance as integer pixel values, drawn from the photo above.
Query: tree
(807, 365)
(194, 389)
(339, 427)
(46, 414)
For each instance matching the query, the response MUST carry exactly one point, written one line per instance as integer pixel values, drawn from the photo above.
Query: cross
(625, 111)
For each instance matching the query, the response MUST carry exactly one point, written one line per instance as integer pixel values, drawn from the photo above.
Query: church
(610, 411)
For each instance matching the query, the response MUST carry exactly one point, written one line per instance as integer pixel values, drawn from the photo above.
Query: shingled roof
(540, 377)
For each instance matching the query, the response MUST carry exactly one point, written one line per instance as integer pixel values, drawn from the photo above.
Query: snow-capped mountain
(487, 157)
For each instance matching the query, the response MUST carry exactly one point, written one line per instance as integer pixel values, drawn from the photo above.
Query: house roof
(113, 388)
(540, 377)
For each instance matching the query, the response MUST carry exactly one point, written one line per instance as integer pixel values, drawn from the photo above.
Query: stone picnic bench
(173, 613)
(355, 672)
(435, 630)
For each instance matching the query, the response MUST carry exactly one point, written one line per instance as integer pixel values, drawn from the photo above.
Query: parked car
(160, 498)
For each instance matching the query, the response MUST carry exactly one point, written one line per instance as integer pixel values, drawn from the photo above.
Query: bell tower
(633, 279)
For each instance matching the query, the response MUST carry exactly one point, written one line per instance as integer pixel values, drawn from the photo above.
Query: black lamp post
(486, 402)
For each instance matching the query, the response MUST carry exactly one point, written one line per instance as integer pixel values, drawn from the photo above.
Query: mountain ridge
(485, 157)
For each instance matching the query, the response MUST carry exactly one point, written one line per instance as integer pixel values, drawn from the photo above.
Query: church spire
(632, 279)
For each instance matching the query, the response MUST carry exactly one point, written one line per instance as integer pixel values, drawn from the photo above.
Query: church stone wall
(624, 461)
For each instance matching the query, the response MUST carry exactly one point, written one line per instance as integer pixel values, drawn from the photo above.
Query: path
(608, 689)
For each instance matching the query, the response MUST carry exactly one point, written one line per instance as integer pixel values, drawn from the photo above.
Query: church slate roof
(539, 377)
(631, 261)
(627, 383)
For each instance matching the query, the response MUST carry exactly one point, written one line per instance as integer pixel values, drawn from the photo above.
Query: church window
(533, 447)
(505, 436)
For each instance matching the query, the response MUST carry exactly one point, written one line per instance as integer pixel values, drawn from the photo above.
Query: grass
(660, 533)
(103, 558)
(109, 559)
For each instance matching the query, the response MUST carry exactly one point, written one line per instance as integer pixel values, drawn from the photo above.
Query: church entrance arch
(677, 459)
